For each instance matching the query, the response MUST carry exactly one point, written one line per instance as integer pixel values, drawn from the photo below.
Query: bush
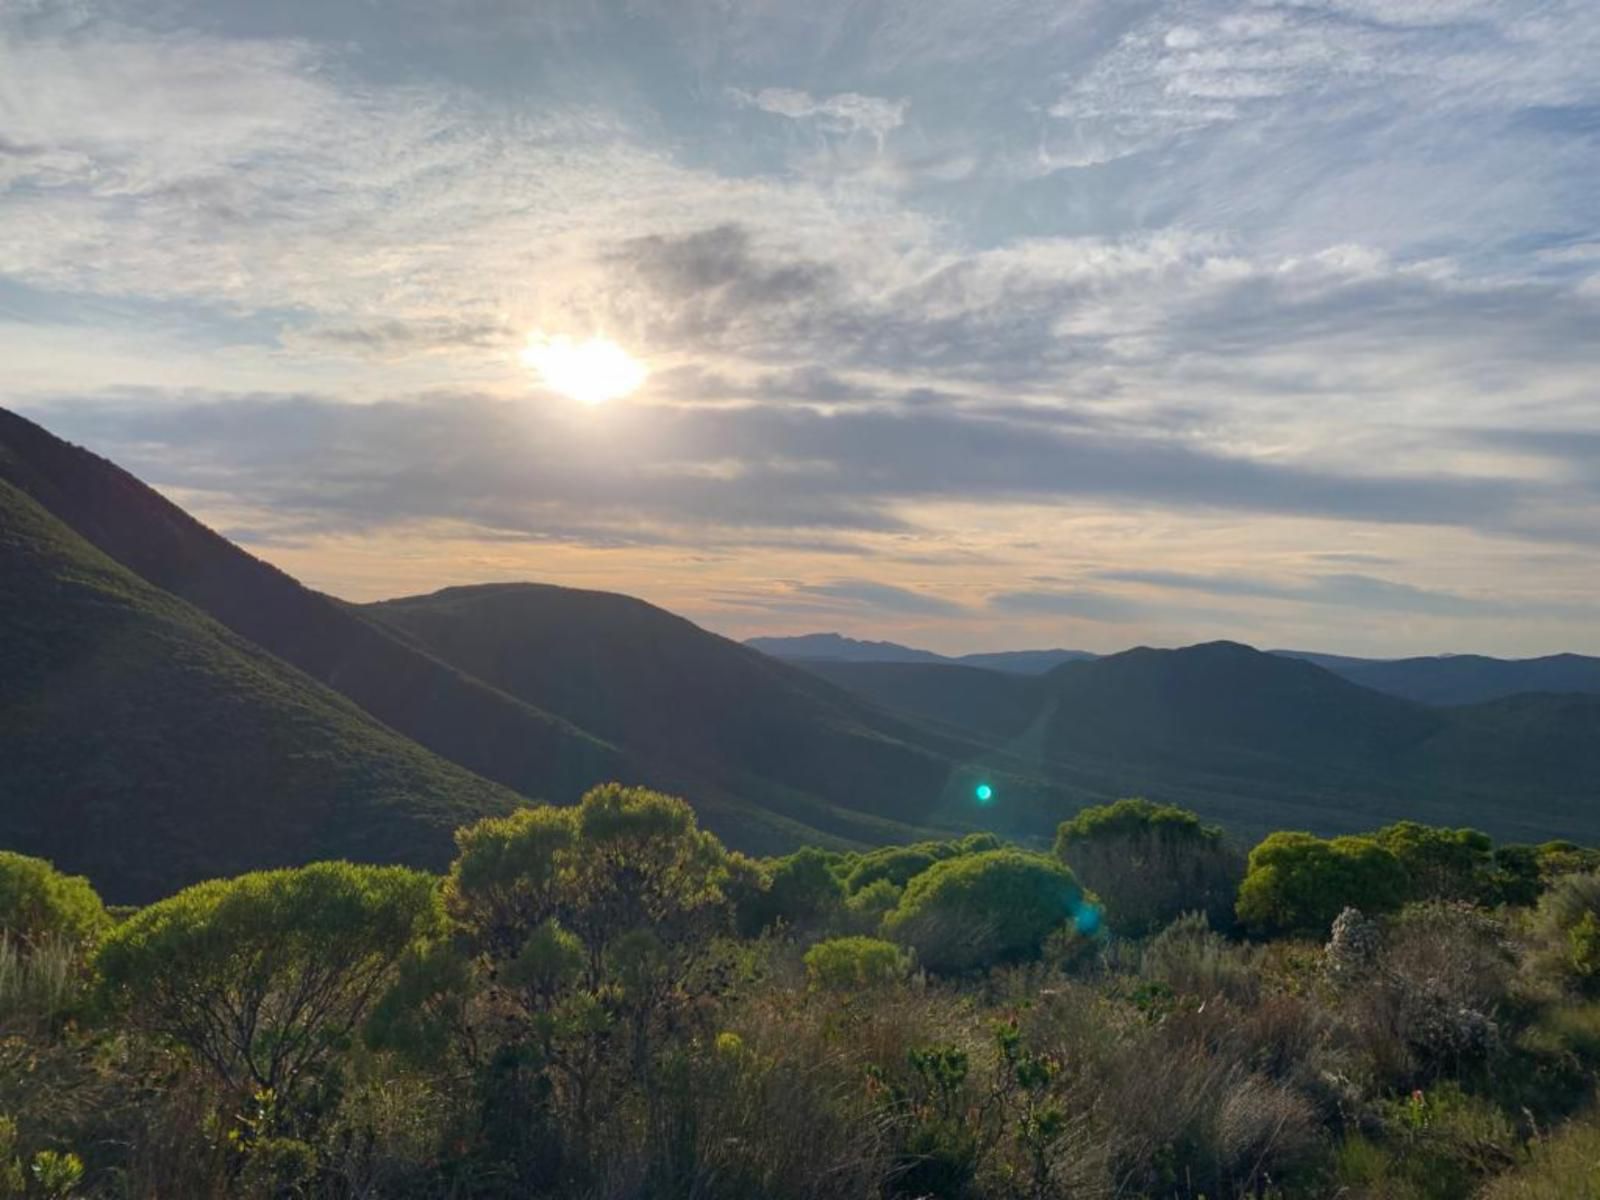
(265, 976)
(1298, 883)
(801, 890)
(1150, 864)
(1566, 932)
(37, 902)
(850, 963)
(982, 909)
(1441, 864)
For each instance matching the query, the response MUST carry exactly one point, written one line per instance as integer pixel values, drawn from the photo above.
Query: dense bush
(1297, 883)
(1148, 864)
(37, 902)
(264, 978)
(981, 909)
(851, 963)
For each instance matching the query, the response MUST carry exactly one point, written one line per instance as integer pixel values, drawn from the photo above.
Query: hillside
(455, 716)
(149, 747)
(745, 735)
(833, 647)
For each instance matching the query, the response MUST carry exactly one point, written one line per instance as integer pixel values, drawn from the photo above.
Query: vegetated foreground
(602, 1001)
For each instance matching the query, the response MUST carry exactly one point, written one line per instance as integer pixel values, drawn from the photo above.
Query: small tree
(1298, 883)
(586, 926)
(1150, 864)
(981, 909)
(38, 902)
(263, 977)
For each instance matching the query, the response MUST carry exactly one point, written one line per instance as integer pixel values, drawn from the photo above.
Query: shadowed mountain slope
(745, 733)
(451, 714)
(149, 747)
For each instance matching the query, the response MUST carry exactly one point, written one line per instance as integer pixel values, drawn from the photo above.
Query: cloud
(846, 113)
(883, 597)
(1087, 606)
(1364, 592)
(514, 465)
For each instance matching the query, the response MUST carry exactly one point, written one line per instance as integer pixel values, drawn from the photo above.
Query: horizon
(950, 324)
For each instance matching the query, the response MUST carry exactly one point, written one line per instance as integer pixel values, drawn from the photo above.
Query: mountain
(149, 747)
(1024, 662)
(769, 753)
(1261, 741)
(833, 647)
(457, 717)
(1464, 678)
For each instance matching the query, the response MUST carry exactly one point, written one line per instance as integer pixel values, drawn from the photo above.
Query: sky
(973, 324)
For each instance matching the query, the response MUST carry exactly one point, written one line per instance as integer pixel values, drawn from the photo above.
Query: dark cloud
(390, 337)
(646, 472)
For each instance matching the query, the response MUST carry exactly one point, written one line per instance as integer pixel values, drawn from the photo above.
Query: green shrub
(982, 909)
(264, 977)
(37, 901)
(1149, 864)
(1440, 864)
(850, 963)
(1298, 883)
(801, 890)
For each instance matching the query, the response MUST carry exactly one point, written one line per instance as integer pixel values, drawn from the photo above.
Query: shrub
(1441, 864)
(982, 909)
(37, 901)
(801, 890)
(263, 977)
(868, 907)
(850, 963)
(1150, 863)
(1298, 883)
(1566, 933)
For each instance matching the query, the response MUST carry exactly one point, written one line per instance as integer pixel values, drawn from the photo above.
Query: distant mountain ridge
(1445, 679)
(834, 647)
(1451, 679)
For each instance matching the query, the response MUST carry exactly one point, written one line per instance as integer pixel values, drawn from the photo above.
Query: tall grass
(39, 981)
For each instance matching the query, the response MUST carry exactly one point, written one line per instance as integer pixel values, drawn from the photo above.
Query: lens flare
(984, 793)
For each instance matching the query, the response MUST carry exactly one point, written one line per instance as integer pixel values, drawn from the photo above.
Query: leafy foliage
(981, 909)
(1150, 863)
(265, 977)
(38, 902)
(854, 963)
(1297, 883)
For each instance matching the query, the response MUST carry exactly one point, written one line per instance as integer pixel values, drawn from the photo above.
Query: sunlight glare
(590, 372)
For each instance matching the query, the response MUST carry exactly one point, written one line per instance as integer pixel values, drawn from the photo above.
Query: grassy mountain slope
(148, 747)
(458, 717)
(743, 734)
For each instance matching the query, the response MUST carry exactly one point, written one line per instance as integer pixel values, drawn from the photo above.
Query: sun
(591, 372)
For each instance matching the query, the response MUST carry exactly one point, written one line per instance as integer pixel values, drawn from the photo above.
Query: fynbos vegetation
(603, 1001)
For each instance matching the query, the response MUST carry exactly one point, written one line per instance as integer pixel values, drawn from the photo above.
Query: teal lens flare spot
(985, 793)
